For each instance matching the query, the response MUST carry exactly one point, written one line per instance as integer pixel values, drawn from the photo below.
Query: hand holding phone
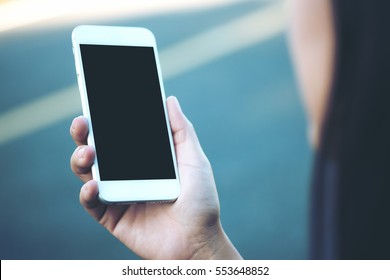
(188, 228)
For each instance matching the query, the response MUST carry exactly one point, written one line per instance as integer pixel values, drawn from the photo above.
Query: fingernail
(72, 128)
(81, 153)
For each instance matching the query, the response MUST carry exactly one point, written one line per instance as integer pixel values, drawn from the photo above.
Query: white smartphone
(123, 98)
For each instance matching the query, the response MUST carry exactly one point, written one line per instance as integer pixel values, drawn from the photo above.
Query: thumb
(182, 129)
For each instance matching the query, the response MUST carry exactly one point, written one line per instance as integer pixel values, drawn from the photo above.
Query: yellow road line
(194, 52)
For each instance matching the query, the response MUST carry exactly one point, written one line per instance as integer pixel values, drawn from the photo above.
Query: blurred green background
(228, 64)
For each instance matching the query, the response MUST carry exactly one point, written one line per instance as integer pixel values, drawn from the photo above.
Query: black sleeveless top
(350, 206)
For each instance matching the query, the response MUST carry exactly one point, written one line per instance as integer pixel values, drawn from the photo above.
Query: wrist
(217, 247)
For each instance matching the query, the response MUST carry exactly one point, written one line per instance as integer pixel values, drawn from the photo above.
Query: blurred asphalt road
(246, 110)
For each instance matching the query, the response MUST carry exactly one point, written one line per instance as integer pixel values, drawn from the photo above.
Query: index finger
(79, 130)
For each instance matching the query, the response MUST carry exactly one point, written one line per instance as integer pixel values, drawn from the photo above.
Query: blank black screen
(127, 113)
